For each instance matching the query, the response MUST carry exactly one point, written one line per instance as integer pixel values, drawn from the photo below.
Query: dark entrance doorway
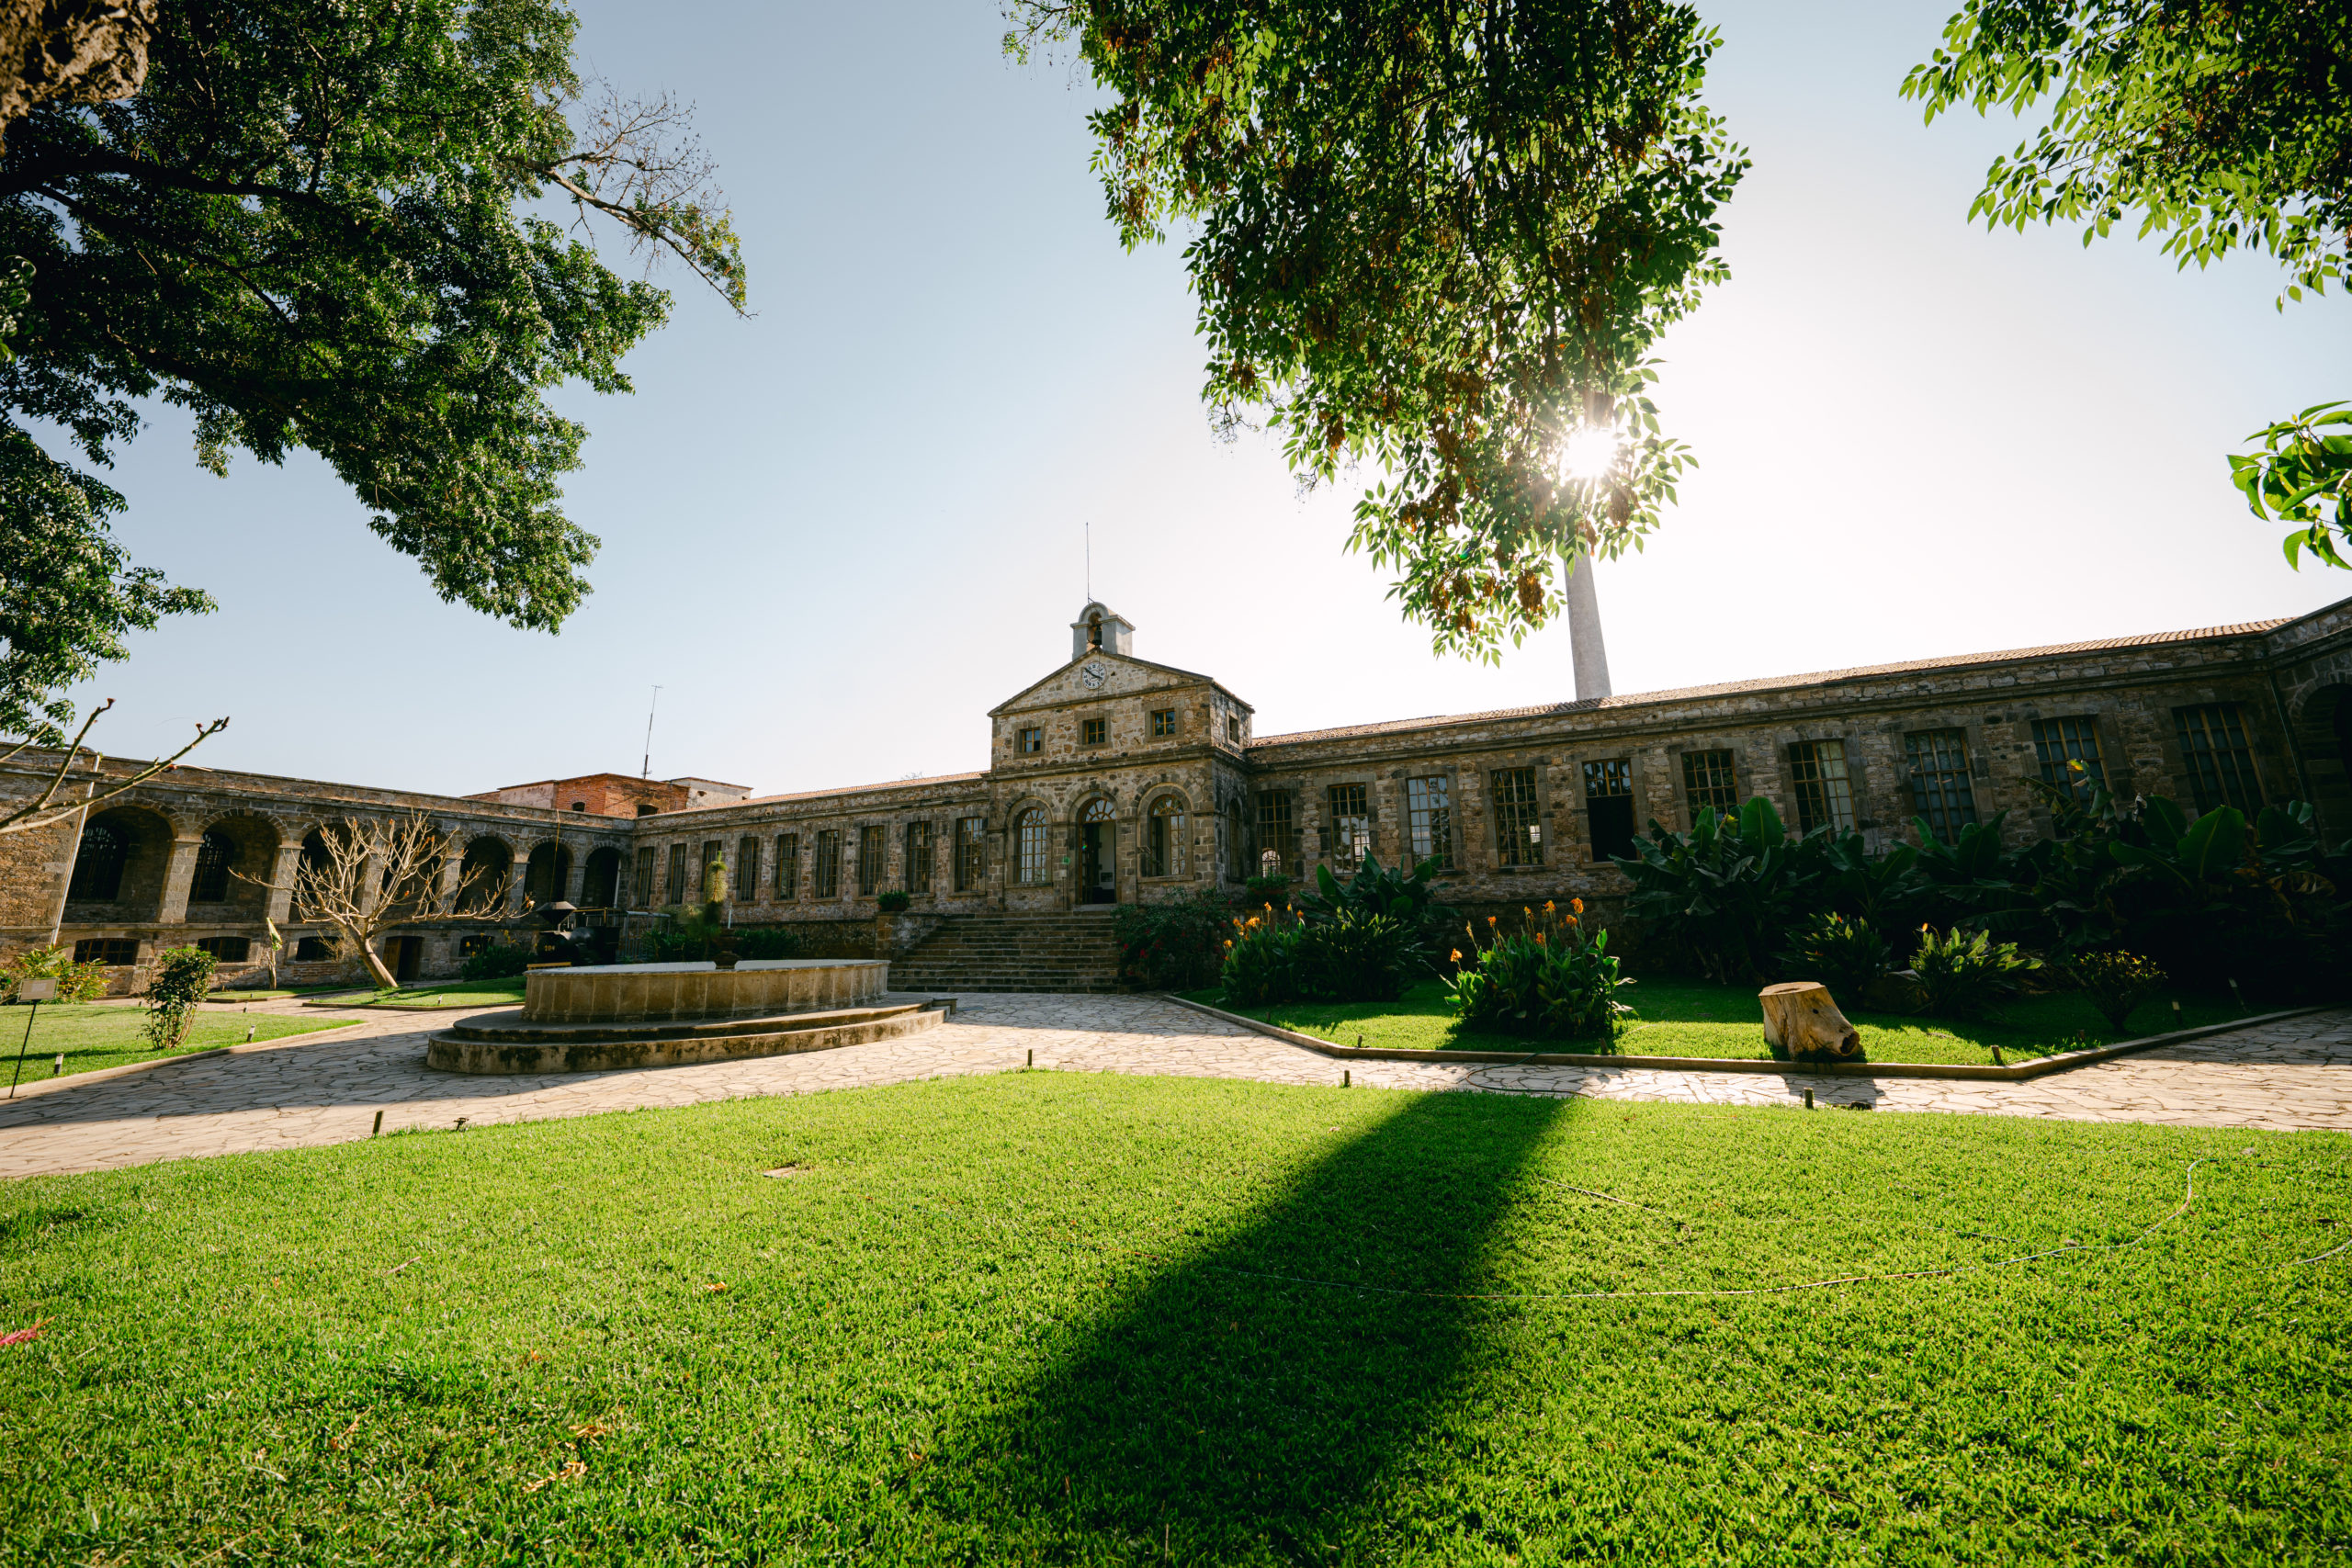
(407, 952)
(1098, 854)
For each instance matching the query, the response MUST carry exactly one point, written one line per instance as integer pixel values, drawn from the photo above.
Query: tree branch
(26, 818)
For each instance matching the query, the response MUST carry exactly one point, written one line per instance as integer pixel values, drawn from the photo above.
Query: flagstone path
(2294, 1074)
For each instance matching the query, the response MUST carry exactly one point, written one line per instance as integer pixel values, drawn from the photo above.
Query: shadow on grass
(1216, 1414)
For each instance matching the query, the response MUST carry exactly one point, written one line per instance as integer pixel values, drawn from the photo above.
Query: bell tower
(1100, 628)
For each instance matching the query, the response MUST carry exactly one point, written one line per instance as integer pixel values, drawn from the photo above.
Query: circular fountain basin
(670, 993)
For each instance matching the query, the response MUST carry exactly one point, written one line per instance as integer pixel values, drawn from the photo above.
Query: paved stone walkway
(2294, 1074)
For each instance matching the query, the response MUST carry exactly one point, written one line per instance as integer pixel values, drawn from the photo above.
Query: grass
(437, 994)
(95, 1037)
(1682, 1018)
(265, 994)
(1102, 1319)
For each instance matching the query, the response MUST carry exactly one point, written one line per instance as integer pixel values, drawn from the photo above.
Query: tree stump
(1801, 1021)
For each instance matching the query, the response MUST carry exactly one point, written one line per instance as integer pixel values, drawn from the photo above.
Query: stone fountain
(666, 1015)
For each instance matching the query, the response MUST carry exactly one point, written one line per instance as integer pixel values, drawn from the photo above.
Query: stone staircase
(1013, 952)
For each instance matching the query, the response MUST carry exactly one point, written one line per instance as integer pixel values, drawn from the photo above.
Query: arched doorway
(1098, 853)
(233, 864)
(600, 888)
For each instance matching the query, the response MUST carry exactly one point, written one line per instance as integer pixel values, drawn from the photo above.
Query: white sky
(839, 532)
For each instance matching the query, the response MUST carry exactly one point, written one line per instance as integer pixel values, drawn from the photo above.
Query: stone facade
(1116, 780)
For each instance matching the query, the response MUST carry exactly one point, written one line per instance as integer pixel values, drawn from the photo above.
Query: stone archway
(600, 884)
(1098, 852)
(485, 875)
(548, 875)
(119, 867)
(234, 863)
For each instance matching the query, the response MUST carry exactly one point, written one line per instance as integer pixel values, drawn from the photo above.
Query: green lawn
(1071, 1318)
(95, 1037)
(251, 994)
(435, 994)
(1681, 1018)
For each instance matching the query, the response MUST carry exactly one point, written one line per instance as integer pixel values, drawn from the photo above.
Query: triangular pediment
(1122, 675)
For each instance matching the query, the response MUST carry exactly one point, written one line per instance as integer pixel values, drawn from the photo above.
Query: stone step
(555, 1054)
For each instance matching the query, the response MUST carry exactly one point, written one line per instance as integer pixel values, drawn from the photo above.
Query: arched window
(98, 867)
(1164, 838)
(1029, 840)
(215, 858)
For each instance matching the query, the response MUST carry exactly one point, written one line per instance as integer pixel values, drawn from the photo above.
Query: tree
(1436, 237)
(43, 810)
(373, 877)
(333, 225)
(2222, 123)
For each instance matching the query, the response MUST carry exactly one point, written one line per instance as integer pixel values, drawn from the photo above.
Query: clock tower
(1100, 629)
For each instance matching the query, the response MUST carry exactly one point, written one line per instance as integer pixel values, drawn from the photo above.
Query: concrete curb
(2040, 1066)
(100, 1074)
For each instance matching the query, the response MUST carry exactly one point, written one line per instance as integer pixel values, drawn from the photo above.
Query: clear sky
(838, 532)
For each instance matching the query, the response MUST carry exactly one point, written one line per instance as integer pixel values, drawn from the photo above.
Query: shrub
(2116, 983)
(1963, 975)
(1262, 960)
(1845, 955)
(1549, 979)
(895, 903)
(182, 977)
(1172, 946)
(75, 982)
(766, 942)
(1732, 892)
(499, 961)
(1358, 957)
(1264, 890)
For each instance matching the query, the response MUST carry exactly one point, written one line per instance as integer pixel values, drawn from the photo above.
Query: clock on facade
(1094, 675)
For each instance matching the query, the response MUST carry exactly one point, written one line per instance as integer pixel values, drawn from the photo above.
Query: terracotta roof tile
(1768, 683)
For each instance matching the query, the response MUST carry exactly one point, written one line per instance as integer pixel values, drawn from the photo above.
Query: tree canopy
(2222, 123)
(1436, 238)
(339, 225)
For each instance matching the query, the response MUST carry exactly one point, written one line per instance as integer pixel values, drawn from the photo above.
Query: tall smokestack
(1584, 644)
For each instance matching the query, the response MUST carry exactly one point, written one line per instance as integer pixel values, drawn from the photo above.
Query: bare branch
(639, 163)
(377, 876)
(39, 814)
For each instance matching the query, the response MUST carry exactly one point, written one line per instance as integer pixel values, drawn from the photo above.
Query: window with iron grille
(114, 950)
(644, 891)
(825, 876)
(310, 950)
(971, 854)
(1029, 848)
(1029, 741)
(1278, 834)
(1347, 831)
(1094, 731)
(1940, 791)
(870, 851)
(1166, 829)
(747, 870)
(1518, 829)
(227, 949)
(215, 858)
(1824, 790)
(97, 865)
(1708, 781)
(2060, 742)
(678, 888)
(1163, 723)
(787, 865)
(705, 889)
(2221, 763)
(1609, 807)
(916, 874)
(1428, 812)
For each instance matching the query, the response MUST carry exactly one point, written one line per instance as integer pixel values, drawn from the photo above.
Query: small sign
(36, 991)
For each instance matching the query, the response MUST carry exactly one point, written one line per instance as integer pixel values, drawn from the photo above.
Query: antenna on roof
(646, 771)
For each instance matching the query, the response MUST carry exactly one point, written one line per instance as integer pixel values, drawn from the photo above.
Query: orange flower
(1538, 936)
(1228, 947)
(1550, 908)
(1578, 904)
(1453, 957)
(1491, 919)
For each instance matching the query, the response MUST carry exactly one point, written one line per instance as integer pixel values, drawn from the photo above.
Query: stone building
(1114, 780)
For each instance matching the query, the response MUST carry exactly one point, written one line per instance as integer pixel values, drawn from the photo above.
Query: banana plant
(1730, 888)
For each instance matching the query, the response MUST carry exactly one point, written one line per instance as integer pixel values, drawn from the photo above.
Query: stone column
(453, 871)
(179, 877)
(282, 869)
